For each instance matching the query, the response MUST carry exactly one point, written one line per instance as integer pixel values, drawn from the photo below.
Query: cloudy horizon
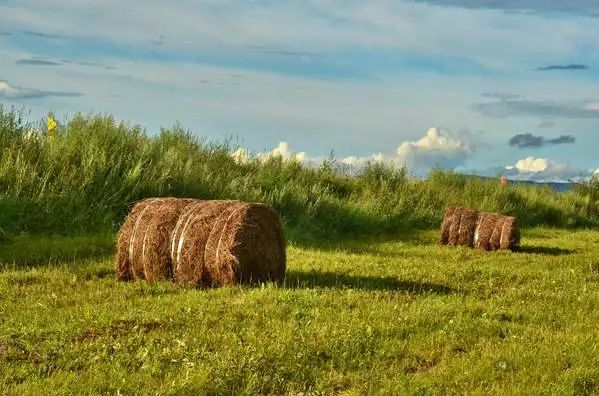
(482, 87)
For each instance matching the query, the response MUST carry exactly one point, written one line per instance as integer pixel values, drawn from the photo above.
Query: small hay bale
(246, 245)
(444, 238)
(486, 226)
(510, 234)
(486, 231)
(191, 233)
(454, 227)
(467, 229)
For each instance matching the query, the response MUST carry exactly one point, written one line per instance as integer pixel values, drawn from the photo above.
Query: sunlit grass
(398, 315)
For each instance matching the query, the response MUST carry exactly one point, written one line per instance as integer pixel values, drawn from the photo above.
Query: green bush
(86, 176)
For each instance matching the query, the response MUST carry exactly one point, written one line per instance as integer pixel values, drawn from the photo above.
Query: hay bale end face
(486, 231)
(123, 262)
(454, 227)
(444, 238)
(246, 245)
(201, 242)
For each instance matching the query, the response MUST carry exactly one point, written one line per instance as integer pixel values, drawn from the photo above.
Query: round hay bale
(467, 229)
(246, 245)
(486, 227)
(510, 234)
(444, 238)
(156, 243)
(123, 263)
(189, 240)
(454, 227)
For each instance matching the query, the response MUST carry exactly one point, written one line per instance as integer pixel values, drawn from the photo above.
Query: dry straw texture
(201, 242)
(486, 231)
(444, 238)
(246, 245)
(188, 247)
(141, 239)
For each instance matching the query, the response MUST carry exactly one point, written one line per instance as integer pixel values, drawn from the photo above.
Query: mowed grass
(395, 316)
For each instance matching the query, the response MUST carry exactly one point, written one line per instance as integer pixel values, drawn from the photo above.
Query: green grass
(394, 315)
(84, 179)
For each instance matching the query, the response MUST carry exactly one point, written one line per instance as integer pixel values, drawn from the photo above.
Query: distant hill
(555, 186)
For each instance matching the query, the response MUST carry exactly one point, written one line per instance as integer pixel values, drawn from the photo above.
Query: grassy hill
(85, 177)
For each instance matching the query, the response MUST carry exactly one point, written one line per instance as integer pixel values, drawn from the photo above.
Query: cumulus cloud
(528, 140)
(359, 162)
(8, 91)
(284, 151)
(544, 169)
(435, 149)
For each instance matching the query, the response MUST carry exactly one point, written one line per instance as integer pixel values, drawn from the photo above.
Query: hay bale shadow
(545, 250)
(336, 280)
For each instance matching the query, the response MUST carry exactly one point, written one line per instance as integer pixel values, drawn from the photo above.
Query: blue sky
(422, 83)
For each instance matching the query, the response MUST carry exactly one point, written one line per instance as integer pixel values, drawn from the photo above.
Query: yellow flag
(51, 125)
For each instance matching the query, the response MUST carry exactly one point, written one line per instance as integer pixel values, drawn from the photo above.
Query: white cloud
(284, 151)
(241, 155)
(544, 169)
(433, 150)
(310, 26)
(358, 162)
(15, 92)
(9, 92)
(532, 165)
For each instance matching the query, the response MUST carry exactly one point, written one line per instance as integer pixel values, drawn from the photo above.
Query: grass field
(398, 315)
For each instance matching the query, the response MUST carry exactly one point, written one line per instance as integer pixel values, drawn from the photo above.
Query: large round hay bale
(145, 237)
(444, 238)
(246, 245)
(467, 229)
(189, 239)
(201, 242)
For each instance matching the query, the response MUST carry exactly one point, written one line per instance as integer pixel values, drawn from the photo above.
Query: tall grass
(85, 177)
